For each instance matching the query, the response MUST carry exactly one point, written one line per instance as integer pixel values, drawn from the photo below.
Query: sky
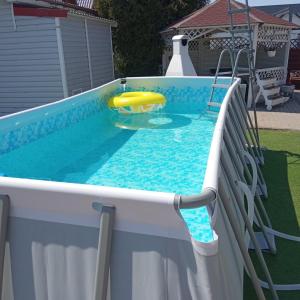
(270, 2)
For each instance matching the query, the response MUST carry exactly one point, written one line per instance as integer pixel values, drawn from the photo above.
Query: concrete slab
(285, 116)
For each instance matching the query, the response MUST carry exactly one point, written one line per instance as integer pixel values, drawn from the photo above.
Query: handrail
(194, 201)
(251, 79)
(218, 69)
(220, 61)
(237, 60)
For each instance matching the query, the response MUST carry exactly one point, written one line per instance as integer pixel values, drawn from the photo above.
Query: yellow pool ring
(137, 101)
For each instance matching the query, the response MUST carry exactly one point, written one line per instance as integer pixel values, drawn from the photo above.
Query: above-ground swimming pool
(87, 143)
(88, 193)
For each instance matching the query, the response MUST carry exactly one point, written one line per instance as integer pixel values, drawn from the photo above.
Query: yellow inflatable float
(137, 102)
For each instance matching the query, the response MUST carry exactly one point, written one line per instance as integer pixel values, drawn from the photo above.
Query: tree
(137, 41)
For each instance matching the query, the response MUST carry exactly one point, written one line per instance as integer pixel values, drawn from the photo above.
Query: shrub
(137, 41)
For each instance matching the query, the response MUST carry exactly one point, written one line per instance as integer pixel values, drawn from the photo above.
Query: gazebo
(208, 30)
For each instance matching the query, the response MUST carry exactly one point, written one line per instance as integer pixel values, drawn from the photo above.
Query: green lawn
(282, 174)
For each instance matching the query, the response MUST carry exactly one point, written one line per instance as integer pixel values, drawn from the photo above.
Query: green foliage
(137, 41)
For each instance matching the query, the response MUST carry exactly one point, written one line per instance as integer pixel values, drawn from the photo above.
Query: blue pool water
(160, 151)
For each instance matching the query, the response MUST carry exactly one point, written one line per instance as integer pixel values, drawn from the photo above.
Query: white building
(51, 50)
(288, 12)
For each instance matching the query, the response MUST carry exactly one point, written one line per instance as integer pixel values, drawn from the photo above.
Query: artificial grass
(282, 174)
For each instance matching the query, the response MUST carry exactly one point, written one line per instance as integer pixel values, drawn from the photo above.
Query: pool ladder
(234, 54)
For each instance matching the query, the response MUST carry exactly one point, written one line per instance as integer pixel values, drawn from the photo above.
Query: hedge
(137, 41)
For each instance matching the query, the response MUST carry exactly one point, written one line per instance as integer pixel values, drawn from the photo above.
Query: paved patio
(286, 116)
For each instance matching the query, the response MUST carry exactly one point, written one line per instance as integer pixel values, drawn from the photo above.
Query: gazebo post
(255, 40)
(286, 55)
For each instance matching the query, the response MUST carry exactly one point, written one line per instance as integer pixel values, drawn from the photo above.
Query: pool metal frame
(234, 146)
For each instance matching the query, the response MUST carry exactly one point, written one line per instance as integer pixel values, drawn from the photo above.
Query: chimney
(180, 64)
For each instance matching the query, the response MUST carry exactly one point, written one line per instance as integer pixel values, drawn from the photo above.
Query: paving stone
(285, 116)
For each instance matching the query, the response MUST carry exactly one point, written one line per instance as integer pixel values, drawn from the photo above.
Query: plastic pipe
(203, 199)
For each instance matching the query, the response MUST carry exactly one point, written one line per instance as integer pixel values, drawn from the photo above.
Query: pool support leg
(225, 200)
(232, 186)
(247, 116)
(236, 127)
(240, 142)
(4, 211)
(104, 251)
(249, 180)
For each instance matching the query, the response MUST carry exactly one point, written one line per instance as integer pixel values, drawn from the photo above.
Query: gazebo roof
(216, 14)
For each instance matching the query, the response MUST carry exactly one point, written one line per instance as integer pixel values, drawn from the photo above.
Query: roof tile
(216, 14)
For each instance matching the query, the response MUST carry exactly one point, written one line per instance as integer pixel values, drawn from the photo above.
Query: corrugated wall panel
(101, 52)
(76, 54)
(29, 65)
(6, 24)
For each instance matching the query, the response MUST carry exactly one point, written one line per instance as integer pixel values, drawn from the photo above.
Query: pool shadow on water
(125, 126)
(284, 266)
(155, 121)
(92, 161)
(80, 171)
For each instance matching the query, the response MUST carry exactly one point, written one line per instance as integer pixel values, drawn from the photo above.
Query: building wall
(30, 70)
(83, 49)
(29, 66)
(295, 34)
(75, 54)
(101, 52)
(287, 12)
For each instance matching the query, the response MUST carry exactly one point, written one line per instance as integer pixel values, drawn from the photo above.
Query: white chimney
(180, 64)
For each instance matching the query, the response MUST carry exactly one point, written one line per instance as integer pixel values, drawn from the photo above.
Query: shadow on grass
(285, 265)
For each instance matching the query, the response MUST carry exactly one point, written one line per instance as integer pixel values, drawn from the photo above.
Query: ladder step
(243, 69)
(239, 10)
(225, 73)
(279, 100)
(241, 30)
(274, 97)
(214, 104)
(272, 91)
(220, 85)
(271, 86)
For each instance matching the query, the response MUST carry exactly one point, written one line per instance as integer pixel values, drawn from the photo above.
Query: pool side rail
(194, 201)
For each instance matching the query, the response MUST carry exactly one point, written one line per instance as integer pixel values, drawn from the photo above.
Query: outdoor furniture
(270, 81)
(287, 90)
(295, 78)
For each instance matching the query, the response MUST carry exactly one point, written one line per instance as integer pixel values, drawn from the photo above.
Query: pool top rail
(210, 186)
